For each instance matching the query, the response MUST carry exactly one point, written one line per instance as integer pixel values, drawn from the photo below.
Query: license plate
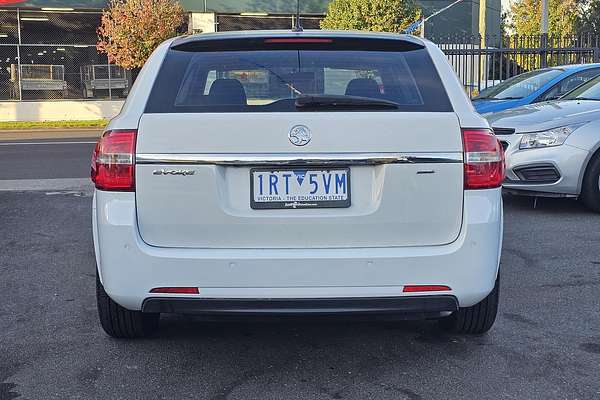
(299, 188)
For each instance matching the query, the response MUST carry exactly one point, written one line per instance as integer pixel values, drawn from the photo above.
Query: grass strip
(9, 125)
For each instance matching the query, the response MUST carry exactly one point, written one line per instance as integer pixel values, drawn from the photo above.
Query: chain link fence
(52, 56)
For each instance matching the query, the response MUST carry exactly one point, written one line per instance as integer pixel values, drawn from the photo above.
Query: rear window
(261, 76)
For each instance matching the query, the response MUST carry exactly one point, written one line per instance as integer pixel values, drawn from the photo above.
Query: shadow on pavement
(545, 204)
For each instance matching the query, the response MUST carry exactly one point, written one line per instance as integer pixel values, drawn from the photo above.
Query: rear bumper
(129, 268)
(413, 306)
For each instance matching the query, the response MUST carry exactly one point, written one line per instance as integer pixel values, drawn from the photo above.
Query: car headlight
(549, 138)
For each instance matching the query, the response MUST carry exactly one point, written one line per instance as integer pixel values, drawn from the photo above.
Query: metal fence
(483, 62)
(52, 55)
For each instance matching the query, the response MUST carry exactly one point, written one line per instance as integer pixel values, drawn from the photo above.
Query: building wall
(462, 18)
(265, 6)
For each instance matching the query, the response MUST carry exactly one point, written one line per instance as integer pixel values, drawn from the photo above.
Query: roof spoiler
(297, 41)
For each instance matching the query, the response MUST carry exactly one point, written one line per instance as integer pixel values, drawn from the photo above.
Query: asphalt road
(45, 158)
(545, 344)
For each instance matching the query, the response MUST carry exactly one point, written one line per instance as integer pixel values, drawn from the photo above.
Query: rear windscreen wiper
(312, 102)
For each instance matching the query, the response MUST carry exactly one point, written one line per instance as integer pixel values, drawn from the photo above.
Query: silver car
(552, 148)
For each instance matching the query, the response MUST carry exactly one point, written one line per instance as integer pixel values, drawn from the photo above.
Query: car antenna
(297, 24)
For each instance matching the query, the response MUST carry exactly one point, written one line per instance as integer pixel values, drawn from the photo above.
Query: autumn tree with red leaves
(130, 30)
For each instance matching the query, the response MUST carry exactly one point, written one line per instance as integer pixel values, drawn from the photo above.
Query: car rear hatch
(378, 175)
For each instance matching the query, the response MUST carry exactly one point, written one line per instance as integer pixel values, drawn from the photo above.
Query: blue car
(534, 87)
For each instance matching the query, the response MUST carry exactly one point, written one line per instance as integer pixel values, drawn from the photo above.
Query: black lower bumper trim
(424, 305)
(514, 190)
(536, 174)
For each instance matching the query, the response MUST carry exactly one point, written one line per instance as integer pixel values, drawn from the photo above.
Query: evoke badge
(183, 172)
(300, 135)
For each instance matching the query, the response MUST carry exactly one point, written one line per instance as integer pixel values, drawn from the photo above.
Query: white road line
(50, 185)
(40, 143)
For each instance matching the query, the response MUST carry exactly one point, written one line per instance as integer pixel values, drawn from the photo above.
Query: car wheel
(120, 322)
(590, 189)
(476, 319)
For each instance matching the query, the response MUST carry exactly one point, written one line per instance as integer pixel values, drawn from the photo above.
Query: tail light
(484, 159)
(113, 161)
(425, 288)
(176, 290)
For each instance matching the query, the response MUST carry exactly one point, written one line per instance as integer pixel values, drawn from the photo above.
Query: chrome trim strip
(324, 159)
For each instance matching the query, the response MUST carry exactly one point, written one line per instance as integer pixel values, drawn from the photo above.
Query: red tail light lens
(425, 288)
(113, 161)
(176, 290)
(484, 159)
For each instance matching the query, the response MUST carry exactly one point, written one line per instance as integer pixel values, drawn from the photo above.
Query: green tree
(130, 30)
(526, 15)
(588, 18)
(371, 15)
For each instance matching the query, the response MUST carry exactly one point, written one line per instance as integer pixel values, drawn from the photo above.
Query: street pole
(482, 27)
(544, 32)
(544, 24)
(19, 55)
(482, 43)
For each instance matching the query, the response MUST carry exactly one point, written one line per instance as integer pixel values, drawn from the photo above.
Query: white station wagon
(286, 173)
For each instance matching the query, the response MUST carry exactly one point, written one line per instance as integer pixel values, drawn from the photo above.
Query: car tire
(120, 322)
(590, 188)
(476, 319)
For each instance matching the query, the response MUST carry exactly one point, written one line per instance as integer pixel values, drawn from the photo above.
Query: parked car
(534, 87)
(552, 148)
(381, 195)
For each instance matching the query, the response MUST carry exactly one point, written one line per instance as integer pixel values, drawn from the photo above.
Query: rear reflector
(113, 164)
(176, 290)
(425, 288)
(484, 159)
(298, 40)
